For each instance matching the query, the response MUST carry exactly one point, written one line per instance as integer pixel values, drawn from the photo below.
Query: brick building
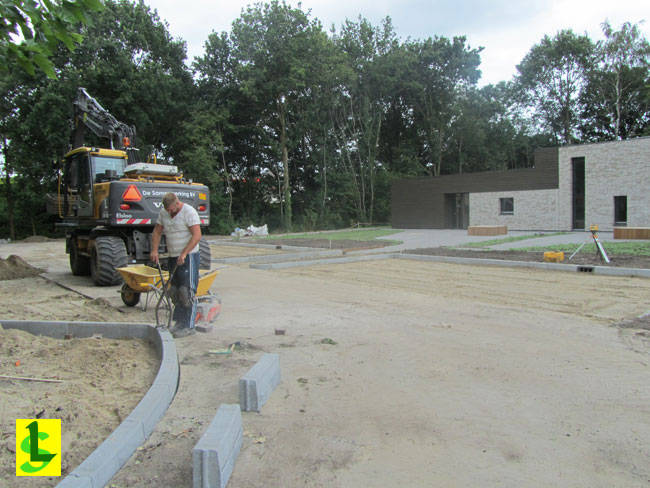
(570, 187)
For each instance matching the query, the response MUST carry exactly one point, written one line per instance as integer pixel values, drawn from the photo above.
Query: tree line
(303, 128)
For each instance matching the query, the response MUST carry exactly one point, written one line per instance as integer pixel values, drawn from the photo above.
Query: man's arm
(155, 242)
(195, 230)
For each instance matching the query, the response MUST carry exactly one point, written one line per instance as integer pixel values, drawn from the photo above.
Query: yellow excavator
(109, 202)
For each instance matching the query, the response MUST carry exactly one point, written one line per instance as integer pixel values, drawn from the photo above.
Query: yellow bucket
(553, 256)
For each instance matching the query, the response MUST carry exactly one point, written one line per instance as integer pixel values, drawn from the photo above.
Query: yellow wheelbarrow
(139, 279)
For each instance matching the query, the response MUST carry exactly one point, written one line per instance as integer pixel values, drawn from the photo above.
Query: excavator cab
(83, 169)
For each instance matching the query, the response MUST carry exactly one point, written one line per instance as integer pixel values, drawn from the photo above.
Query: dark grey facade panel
(419, 203)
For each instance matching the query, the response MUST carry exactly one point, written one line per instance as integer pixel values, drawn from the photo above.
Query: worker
(182, 227)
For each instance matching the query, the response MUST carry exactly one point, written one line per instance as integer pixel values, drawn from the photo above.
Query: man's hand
(153, 256)
(180, 260)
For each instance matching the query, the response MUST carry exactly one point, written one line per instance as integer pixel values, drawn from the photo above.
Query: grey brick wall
(533, 210)
(611, 169)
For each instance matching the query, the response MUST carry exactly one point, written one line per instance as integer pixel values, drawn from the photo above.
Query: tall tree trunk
(460, 155)
(343, 141)
(227, 174)
(437, 164)
(324, 178)
(617, 128)
(285, 167)
(9, 196)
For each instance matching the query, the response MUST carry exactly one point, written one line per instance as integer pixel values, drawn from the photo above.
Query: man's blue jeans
(185, 281)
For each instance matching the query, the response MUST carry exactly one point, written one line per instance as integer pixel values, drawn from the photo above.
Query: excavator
(109, 202)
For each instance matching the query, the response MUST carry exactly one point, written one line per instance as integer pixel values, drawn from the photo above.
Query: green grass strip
(494, 242)
(641, 248)
(353, 235)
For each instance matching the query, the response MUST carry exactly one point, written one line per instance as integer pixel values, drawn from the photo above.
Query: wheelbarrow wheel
(130, 297)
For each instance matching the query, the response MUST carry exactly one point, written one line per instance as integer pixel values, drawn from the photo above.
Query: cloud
(505, 28)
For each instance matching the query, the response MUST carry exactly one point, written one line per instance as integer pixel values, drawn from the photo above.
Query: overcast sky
(507, 29)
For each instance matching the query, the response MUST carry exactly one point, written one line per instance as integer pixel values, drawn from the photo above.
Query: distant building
(570, 188)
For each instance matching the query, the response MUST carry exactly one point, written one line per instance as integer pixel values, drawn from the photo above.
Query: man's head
(171, 203)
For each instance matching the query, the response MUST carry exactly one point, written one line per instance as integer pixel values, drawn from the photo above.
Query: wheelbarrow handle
(164, 295)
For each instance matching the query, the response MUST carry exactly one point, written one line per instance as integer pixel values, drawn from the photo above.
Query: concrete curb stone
(269, 258)
(98, 468)
(603, 270)
(260, 246)
(256, 386)
(296, 264)
(214, 456)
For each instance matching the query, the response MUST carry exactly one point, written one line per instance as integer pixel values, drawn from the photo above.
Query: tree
(130, 63)
(552, 77)
(371, 58)
(617, 97)
(136, 69)
(277, 51)
(440, 70)
(43, 25)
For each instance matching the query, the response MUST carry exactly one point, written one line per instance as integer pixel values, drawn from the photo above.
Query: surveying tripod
(599, 246)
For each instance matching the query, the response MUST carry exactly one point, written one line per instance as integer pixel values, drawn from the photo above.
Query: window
(620, 210)
(102, 164)
(506, 206)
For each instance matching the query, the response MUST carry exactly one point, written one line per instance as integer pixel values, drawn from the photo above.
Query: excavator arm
(89, 113)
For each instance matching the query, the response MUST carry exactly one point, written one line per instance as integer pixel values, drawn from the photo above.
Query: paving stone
(256, 386)
(214, 456)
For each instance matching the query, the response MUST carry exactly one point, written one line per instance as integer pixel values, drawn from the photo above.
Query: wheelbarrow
(139, 279)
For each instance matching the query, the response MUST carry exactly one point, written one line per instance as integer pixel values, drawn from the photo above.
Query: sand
(413, 373)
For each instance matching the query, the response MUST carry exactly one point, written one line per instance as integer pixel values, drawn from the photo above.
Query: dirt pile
(99, 383)
(36, 239)
(15, 268)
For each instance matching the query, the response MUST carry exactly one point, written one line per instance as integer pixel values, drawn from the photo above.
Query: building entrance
(456, 210)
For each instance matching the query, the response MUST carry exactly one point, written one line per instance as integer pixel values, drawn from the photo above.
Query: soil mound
(15, 268)
(36, 239)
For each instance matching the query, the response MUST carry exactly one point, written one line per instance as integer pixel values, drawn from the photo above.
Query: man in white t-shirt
(182, 227)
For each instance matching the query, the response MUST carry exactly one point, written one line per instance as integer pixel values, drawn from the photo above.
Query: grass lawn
(353, 235)
(494, 242)
(640, 248)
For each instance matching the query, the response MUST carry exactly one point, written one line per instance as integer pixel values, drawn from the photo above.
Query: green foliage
(294, 127)
(616, 99)
(442, 70)
(43, 26)
(551, 79)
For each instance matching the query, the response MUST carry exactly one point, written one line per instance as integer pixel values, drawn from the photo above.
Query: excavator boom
(89, 113)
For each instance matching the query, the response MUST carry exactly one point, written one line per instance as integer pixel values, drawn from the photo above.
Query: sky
(506, 29)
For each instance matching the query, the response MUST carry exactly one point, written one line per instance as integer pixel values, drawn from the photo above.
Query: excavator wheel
(79, 265)
(109, 253)
(206, 254)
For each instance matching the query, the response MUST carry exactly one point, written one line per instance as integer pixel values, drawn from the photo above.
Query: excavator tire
(206, 254)
(109, 253)
(79, 265)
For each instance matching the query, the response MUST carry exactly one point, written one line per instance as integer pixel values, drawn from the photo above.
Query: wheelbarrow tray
(205, 282)
(142, 278)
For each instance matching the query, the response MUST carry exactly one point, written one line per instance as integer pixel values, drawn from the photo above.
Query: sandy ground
(417, 374)
(102, 380)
